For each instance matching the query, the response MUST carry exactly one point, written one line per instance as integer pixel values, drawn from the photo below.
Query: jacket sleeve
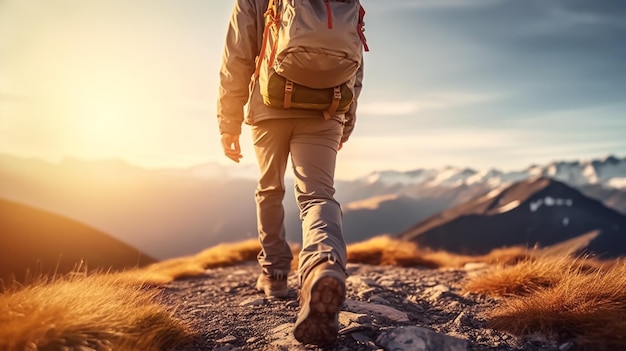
(238, 64)
(350, 118)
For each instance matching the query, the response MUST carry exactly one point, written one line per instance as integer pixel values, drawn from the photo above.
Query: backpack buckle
(288, 94)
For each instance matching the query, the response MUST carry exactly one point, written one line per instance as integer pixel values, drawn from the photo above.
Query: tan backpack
(310, 54)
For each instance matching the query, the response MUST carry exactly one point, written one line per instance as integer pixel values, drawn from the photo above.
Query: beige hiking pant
(312, 144)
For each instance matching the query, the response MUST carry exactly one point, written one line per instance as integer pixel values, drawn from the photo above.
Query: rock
(439, 288)
(361, 337)
(366, 292)
(226, 339)
(239, 272)
(387, 283)
(418, 298)
(458, 321)
(354, 327)
(346, 318)
(282, 338)
(378, 299)
(253, 301)
(419, 339)
(363, 281)
(436, 292)
(376, 309)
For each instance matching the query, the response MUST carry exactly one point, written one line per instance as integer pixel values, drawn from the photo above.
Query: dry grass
(385, 250)
(546, 294)
(560, 296)
(529, 275)
(541, 292)
(222, 255)
(382, 250)
(99, 311)
(106, 311)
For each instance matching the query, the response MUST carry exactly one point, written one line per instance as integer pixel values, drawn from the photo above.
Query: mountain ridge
(35, 242)
(538, 211)
(609, 171)
(202, 207)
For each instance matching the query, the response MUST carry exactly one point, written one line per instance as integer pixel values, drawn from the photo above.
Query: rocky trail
(387, 308)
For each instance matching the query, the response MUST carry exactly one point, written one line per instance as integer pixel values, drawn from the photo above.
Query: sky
(470, 83)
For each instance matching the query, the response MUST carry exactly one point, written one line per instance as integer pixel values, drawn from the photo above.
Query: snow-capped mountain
(609, 172)
(539, 211)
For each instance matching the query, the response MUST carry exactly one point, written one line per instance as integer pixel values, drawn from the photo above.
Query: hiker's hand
(230, 144)
(340, 146)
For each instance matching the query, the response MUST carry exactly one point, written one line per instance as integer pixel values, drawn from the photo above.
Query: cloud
(428, 102)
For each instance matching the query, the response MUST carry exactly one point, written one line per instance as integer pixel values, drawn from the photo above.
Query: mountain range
(609, 172)
(173, 212)
(538, 211)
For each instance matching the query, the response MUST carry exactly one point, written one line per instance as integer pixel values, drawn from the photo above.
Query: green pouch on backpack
(282, 93)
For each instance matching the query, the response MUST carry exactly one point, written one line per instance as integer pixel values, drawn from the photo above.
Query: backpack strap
(361, 28)
(333, 105)
(272, 18)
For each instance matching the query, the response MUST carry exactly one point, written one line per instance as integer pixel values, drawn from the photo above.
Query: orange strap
(333, 105)
(288, 94)
(271, 19)
(270, 62)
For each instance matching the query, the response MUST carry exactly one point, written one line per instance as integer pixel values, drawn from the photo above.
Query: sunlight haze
(490, 83)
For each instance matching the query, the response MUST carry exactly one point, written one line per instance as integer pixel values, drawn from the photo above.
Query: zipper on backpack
(329, 13)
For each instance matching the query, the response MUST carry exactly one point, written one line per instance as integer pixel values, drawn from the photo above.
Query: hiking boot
(272, 287)
(322, 294)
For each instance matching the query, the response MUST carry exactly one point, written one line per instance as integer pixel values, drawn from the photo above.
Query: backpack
(310, 54)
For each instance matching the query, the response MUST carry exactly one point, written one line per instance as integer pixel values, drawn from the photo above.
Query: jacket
(244, 38)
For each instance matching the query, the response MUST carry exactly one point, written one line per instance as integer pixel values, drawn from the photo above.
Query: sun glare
(104, 120)
(108, 111)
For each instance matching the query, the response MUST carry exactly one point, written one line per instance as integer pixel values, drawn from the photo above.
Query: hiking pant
(312, 144)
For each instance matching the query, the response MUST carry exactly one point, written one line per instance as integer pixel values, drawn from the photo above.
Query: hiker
(294, 121)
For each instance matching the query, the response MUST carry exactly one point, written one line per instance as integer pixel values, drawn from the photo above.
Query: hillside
(40, 242)
(142, 207)
(539, 211)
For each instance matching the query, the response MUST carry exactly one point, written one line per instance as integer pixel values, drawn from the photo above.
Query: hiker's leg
(271, 145)
(313, 155)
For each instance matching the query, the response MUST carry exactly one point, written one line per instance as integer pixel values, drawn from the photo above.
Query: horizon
(480, 84)
(235, 169)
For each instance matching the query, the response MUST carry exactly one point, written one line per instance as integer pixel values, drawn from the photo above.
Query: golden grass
(531, 274)
(547, 294)
(221, 255)
(567, 296)
(99, 311)
(385, 250)
(106, 311)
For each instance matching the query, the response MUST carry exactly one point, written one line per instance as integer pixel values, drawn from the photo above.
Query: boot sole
(317, 321)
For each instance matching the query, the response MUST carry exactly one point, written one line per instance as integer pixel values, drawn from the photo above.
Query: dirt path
(387, 308)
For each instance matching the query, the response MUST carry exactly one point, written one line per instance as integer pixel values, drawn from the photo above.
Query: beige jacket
(243, 43)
